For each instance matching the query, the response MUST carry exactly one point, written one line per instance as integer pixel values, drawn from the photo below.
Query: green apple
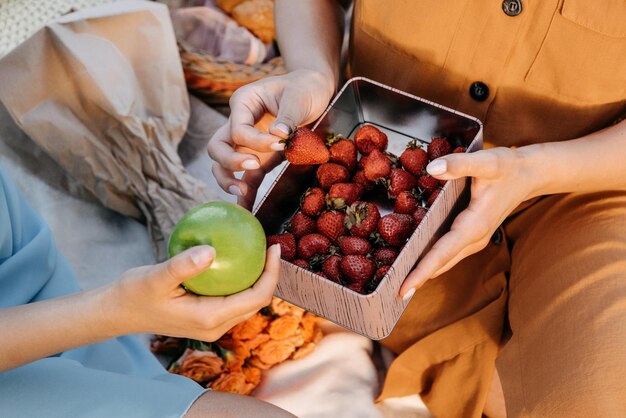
(239, 242)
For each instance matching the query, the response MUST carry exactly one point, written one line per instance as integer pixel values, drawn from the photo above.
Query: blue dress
(115, 378)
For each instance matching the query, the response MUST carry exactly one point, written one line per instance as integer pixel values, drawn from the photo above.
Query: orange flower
(250, 328)
(232, 382)
(303, 351)
(282, 308)
(226, 341)
(283, 327)
(309, 326)
(274, 351)
(200, 366)
(257, 341)
(253, 375)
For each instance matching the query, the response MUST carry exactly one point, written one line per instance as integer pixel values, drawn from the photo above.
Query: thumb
(187, 264)
(292, 112)
(481, 164)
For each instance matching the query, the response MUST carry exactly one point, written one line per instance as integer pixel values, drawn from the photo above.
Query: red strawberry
(419, 214)
(322, 274)
(344, 194)
(376, 165)
(438, 147)
(313, 202)
(400, 181)
(301, 225)
(406, 202)
(357, 270)
(331, 268)
(380, 273)
(354, 245)
(458, 150)
(428, 184)
(432, 197)
(313, 244)
(395, 228)
(331, 224)
(301, 263)
(359, 178)
(287, 245)
(343, 151)
(362, 218)
(305, 147)
(369, 138)
(385, 255)
(331, 173)
(414, 158)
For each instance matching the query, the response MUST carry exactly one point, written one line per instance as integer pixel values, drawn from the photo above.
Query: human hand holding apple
(150, 299)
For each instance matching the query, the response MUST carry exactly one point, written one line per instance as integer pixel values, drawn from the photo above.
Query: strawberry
(369, 138)
(400, 181)
(359, 178)
(458, 150)
(357, 270)
(313, 201)
(331, 268)
(343, 194)
(438, 147)
(380, 273)
(342, 151)
(395, 228)
(322, 274)
(301, 225)
(406, 202)
(331, 224)
(428, 184)
(419, 214)
(287, 245)
(385, 255)
(305, 147)
(362, 218)
(354, 245)
(313, 244)
(414, 158)
(301, 263)
(331, 173)
(432, 197)
(376, 165)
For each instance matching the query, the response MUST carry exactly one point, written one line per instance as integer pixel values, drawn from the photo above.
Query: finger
(250, 300)
(251, 182)
(185, 265)
(293, 111)
(245, 110)
(466, 252)
(482, 164)
(222, 150)
(463, 233)
(227, 180)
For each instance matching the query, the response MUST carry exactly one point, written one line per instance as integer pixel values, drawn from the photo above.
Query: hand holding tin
(499, 184)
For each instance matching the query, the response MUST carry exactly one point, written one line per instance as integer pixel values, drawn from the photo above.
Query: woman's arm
(502, 178)
(145, 300)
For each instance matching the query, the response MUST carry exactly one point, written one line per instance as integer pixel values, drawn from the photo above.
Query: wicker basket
(214, 80)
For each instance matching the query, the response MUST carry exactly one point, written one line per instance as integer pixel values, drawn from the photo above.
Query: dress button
(512, 7)
(479, 91)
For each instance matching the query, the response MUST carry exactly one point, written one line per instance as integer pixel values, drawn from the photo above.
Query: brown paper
(102, 92)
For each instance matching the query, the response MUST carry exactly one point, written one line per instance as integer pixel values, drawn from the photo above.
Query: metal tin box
(402, 117)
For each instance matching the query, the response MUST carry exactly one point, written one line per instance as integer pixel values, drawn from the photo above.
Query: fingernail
(201, 256)
(250, 165)
(408, 294)
(277, 146)
(437, 167)
(283, 128)
(235, 190)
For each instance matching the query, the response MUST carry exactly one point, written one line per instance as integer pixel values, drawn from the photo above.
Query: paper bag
(102, 92)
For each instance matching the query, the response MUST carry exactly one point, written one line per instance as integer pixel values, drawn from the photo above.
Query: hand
(150, 300)
(295, 99)
(501, 180)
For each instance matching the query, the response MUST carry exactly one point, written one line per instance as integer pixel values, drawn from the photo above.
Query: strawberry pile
(337, 233)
